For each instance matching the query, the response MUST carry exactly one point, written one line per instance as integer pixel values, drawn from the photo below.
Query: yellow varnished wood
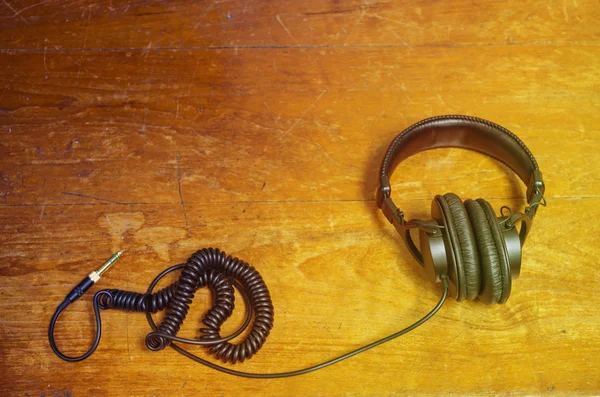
(146, 25)
(120, 128)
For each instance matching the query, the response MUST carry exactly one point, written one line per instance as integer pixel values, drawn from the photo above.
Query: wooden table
(258, 128)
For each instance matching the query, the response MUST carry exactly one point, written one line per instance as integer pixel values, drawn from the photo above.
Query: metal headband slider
(392, 213)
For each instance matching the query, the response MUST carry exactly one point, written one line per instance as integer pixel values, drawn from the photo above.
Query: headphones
(465, 246)
(465, 242)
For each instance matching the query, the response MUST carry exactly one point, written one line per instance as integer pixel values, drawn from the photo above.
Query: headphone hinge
(396, 217)
(393, 214)
(535, 186)
(526, 220)
(384, 190)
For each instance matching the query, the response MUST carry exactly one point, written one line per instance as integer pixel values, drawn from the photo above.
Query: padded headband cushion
(463, 132)
(468, 247)
(500, 247)
(491, 275)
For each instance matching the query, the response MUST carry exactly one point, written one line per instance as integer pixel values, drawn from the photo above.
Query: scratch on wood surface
(6, 87)
(565, 11)
(330, 218)
(68, 209)
(42, 212)
(90, 197)
(87, 28)
(255, 124)
(441, 100)
(180, 193)
(45, 66)
(550, 10)
(193, 77)
(362, 15)
(60, 50)
(118, 224)
(16, 13)
(412, 366)
(318, 146)
(286, 29)
(326, 328)
(304, 114)
(89, 10)
(146, 50)
(276, 119)
(167, 371)
(267, 106)
(458, 335)
(145, 118)
(11, 8)
(401, 39)
(31, 6)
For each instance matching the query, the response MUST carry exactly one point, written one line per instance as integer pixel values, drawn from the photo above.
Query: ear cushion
(491, 275)
(469, 256)
(454, 242)
(500, 248)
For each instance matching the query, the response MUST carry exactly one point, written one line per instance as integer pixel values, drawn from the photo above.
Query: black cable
(212, 268)
(59, 310)
(326, 363)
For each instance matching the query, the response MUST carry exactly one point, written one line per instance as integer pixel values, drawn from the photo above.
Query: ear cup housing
(491, 274)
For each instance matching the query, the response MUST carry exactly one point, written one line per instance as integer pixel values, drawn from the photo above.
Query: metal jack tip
(96, 274)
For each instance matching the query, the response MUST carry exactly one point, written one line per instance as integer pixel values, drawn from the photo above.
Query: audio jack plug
(75, 294)
(92, 279)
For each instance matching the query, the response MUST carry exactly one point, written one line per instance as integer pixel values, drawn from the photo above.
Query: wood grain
(258, 127)
(118, 116)
(231, 23)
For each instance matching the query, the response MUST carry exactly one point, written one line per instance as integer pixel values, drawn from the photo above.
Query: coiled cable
(214, 269)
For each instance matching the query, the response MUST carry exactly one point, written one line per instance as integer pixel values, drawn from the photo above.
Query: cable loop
(219, 272)
(213, 268)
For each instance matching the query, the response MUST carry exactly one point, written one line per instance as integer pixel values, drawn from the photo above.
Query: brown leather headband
(462, 132)
(468, 133)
